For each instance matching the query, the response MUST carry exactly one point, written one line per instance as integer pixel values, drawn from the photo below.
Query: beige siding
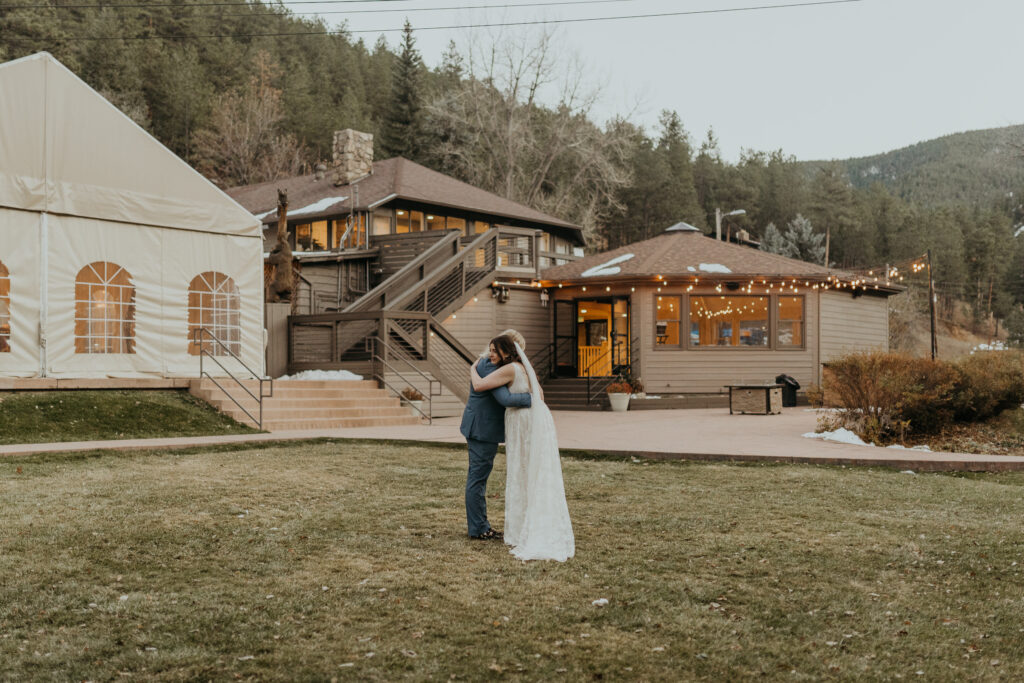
(675, 371)
(476, 323)
(849, 324)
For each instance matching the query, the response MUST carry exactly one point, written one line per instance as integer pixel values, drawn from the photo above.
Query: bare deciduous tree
(244, 143)
(496, 132)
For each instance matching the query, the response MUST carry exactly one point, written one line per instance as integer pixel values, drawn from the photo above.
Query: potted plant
(618, 395)
(415, 399)
(638, 387)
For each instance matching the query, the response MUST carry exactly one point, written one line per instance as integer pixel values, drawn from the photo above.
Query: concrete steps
(308, 404)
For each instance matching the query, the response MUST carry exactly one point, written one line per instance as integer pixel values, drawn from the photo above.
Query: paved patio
(710, 434)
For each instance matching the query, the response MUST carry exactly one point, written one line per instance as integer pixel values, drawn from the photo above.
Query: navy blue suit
(483, 425)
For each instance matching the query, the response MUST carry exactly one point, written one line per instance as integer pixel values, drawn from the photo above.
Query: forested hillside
(976, 167)
(248, 92)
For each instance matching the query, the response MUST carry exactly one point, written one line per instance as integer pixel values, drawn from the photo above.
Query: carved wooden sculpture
(281, 255)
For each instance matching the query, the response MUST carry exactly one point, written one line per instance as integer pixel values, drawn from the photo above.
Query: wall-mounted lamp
(499, 293)
(544, 297)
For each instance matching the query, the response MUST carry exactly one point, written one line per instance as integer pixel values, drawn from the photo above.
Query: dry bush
(886, 395)
(988, 383)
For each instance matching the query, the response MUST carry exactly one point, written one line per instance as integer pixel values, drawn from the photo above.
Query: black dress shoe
(489, 535)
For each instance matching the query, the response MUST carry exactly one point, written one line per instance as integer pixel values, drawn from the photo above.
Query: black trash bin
(789, 387)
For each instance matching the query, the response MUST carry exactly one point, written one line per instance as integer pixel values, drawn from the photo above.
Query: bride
(537, 524)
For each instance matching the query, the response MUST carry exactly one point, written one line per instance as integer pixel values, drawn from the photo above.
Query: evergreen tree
(403, 125)
(774, 242)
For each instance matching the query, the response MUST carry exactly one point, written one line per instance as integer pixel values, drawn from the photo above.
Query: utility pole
(931, 303)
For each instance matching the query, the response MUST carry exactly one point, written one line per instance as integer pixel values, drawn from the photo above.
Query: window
(457, 224)
(382, 223)
(666, 320)
(213, 303)
(415, 221)
(729, 321)
(791, 322)
(104, 309)
(401, 221)
(311, 236)
(5, 309)
(481, 227)
(357, 236)
(435, 222)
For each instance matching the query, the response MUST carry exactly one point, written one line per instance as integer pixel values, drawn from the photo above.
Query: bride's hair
(506, 349)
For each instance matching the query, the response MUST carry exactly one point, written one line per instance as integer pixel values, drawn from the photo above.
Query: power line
(276, 5)
(537, 22)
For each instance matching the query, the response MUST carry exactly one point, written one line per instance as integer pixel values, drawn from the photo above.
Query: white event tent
(112, 249)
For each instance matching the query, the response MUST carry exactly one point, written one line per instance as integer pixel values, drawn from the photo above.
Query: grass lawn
(51, 416)
(350, 560)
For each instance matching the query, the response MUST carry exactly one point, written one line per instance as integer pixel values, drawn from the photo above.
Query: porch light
(544, 297)
(607, 289)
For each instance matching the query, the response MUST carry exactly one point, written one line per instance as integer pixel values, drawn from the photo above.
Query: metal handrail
(596, 386)
(445, 242)
(196, 334)
(382, 378)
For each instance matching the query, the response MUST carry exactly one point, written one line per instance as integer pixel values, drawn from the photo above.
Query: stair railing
(197, 339)
(408, 276)
(381, 346)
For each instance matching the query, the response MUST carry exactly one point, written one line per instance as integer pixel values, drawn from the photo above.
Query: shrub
(988, 383)
(619, 387)
(411, 394)
(885, 395)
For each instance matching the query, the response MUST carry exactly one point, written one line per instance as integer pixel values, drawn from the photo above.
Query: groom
(483, 425)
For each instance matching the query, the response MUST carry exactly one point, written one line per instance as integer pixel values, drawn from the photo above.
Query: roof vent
(682, 227)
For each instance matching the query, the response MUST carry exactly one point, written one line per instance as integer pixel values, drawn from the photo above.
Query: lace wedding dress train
(537, 523)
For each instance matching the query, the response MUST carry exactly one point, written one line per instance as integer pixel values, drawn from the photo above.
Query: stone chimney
(352, 156)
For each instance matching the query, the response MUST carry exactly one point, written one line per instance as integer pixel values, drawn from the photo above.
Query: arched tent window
(213, 303)
(5, 309)
(104, 309)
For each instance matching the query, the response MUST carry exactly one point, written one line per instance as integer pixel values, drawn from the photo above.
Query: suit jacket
(484, 417)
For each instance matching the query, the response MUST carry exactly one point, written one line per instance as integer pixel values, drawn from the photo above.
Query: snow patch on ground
(713, 268)
(337, 375)
(609, 267)
(841, 435)
(994, 346)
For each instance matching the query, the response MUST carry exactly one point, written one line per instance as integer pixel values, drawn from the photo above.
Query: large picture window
(791, 322)
(213, 303)
(729, 321)
(667, 317)
(5, 309)
(104, 309)
(311, 236)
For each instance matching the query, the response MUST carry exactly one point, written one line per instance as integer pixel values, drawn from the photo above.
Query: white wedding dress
(537, 523)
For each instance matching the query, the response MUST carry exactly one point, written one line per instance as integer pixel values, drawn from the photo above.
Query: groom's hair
(506, 349)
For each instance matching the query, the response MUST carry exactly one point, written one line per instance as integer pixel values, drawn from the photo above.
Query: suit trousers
(481, 461)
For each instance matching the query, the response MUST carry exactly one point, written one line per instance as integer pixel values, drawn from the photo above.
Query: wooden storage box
(756, 399)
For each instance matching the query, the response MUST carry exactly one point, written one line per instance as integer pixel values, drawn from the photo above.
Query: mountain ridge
(978, 167)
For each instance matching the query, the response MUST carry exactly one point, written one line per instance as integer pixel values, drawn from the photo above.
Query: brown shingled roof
(687, 254)
(396, 178)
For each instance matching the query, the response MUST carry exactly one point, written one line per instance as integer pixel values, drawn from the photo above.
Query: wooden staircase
(310, 404)
(570, 393)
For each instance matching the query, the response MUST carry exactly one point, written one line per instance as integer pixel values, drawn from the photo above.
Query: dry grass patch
(350, 560)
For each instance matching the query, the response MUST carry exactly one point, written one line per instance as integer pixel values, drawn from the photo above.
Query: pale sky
(819, 82)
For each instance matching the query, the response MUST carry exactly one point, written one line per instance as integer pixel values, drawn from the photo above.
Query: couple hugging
(537, 525)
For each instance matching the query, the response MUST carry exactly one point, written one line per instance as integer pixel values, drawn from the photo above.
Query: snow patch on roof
(691, 269)
(713, 268)
(312, 208)
(608, 267)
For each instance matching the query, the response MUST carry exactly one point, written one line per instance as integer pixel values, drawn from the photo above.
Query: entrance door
(620, 335)
(565, 338)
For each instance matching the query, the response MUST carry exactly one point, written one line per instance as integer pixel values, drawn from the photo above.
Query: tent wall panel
(186, 255)
(74, 243)
(19, 252)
